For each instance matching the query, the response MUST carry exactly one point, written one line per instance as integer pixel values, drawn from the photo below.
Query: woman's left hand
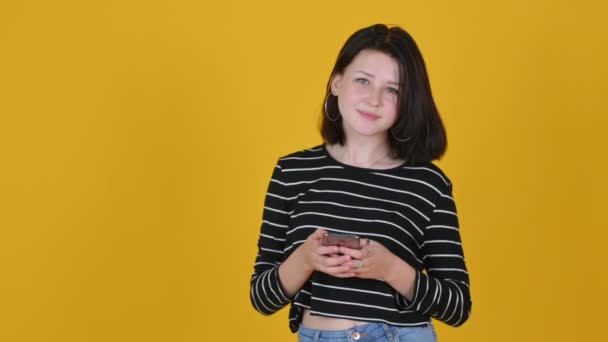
(372, 261)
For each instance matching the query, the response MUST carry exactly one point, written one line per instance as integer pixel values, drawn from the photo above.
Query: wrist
(394, 271)
(301, 259)
(401, 276)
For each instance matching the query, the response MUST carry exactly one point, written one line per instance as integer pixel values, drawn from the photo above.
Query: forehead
(377, 63)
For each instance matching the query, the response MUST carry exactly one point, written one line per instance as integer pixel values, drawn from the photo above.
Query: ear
(335, 83)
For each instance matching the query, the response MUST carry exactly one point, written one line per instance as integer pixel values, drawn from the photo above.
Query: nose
(374, 97)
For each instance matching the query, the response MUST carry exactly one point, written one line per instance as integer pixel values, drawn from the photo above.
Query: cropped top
(409, 209)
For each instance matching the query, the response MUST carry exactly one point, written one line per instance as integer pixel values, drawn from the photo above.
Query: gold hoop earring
(327, 112)
(400, 140)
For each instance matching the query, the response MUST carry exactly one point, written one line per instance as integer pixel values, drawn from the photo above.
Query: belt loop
(317, 336)
(388, 331)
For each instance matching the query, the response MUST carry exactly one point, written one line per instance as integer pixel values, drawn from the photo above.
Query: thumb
(318, 234)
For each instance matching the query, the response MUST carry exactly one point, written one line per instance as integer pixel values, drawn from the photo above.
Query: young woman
(373, 178)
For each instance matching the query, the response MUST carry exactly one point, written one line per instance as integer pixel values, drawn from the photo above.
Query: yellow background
(137, 139)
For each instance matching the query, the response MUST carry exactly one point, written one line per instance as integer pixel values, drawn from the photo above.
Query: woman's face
(368, 92)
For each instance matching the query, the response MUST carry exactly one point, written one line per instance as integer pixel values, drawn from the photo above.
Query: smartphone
(346, 240)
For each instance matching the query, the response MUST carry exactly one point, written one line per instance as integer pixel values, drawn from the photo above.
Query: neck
(364, 152)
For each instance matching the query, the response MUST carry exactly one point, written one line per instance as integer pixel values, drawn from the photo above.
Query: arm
(443, 291)
(276, 280)
(267, 294)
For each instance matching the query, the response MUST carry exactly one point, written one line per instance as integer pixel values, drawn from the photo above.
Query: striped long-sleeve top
(409, 209)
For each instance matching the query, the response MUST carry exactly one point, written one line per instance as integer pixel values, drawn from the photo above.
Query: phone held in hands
(346, 240)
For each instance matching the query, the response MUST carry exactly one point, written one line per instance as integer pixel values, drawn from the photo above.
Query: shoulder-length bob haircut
(418, 135)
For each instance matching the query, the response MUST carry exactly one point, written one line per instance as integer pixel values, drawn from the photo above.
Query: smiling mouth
(369, 116)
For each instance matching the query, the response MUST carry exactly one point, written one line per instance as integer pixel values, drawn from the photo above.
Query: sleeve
(267, 295)
(443, 291)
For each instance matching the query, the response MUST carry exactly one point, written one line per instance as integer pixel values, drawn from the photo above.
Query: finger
(334, 270)
(365, 248)
(325, 250)
(318, 233)
(333, 261)
(367, 251)
(354, 253)
(345, 275)
(364, 243)
(356, 266)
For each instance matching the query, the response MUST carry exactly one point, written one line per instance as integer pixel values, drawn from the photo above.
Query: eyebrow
(372, 76)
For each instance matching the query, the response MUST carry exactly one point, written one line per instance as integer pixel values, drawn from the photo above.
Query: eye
(362, 81)
(393, 91)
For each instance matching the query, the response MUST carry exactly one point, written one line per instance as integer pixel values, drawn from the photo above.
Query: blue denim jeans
(376, 332)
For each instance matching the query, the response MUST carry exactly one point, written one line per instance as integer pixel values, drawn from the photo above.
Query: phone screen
(346, 240)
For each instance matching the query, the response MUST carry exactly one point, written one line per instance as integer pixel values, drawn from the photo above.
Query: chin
(371, 130)
(372, 133)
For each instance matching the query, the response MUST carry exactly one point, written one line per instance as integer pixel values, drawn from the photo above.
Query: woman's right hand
(312, 256)
(324, 258)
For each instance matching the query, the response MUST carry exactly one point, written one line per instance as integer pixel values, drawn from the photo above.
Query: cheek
(350, 98)
(392, 113)
(390, 103)
(356, 93)
(392, 118)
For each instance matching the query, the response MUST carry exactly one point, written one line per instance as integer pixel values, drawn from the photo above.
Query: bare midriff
(328, 323)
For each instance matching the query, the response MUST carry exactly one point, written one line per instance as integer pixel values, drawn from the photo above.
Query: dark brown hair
(418, 119)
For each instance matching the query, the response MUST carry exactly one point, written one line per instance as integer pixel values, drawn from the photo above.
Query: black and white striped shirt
(409, 209)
